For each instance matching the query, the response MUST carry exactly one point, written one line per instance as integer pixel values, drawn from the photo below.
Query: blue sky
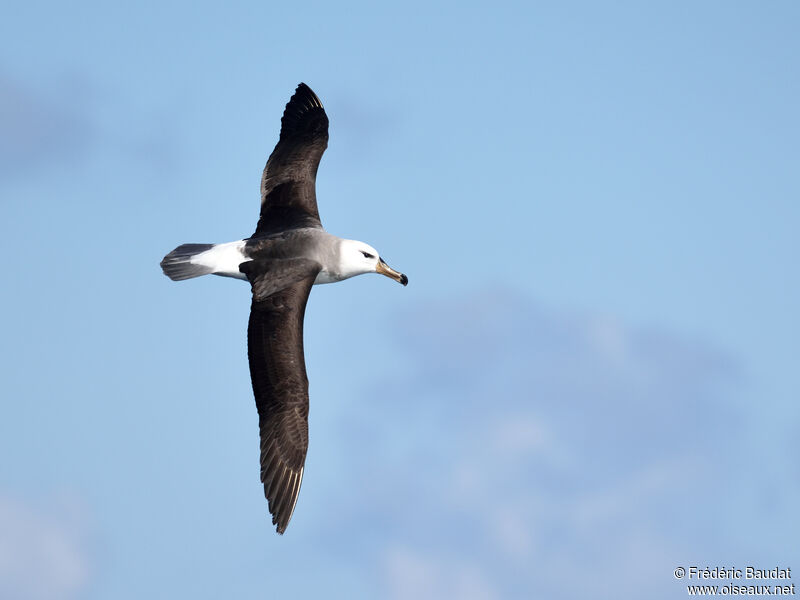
(592, 377)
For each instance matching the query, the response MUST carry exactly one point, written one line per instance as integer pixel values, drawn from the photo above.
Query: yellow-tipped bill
(385, 269)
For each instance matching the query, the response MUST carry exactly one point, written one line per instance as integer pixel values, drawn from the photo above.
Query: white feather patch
(224, 259)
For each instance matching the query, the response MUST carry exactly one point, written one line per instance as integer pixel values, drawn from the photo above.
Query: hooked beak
(385, 269)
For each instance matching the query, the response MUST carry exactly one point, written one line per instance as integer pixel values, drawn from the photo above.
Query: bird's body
(225, 259)
(288, 253)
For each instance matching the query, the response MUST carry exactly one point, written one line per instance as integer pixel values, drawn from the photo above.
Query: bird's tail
(178, 265)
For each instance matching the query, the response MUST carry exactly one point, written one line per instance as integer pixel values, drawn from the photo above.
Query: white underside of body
(325, 277)
(224, 260)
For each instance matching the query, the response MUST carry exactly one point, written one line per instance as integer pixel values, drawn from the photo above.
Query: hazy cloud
(363, 126)
(42, 556)
(44, 128)
(411, 574)
(531, 444)
(37, 129)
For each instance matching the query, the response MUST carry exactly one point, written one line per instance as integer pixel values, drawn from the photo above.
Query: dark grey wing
(280, 386)
(288, 185)
(270, 275)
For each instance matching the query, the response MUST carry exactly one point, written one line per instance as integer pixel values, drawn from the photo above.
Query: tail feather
(178, 265)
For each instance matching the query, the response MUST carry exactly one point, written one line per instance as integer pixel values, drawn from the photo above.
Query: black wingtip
(304, 115)
(303, 92)
(280, 516)
(303, 89)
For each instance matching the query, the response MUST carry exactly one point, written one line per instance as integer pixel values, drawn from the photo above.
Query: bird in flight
(288, 253)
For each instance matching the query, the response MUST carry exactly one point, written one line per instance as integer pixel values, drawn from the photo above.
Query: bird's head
(358, 258)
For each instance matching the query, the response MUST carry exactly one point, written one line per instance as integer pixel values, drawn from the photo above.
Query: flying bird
(289, 252)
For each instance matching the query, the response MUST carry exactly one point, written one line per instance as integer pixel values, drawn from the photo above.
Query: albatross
(289, 252)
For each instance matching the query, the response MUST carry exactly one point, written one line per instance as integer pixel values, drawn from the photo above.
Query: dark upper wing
(280, 386)
(288, 195)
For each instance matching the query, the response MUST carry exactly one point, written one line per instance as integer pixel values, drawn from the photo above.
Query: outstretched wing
(288, 194)
(280, 386)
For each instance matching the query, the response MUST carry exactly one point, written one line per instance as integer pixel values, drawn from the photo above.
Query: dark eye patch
(367, 254)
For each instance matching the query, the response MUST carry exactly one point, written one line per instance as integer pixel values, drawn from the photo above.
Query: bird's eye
(367, 254)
